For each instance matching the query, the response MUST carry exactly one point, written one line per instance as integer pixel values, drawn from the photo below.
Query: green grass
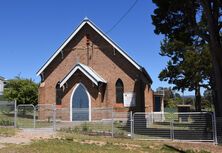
(6, 132)
(63, 146)
(7, 119)
(77, 143)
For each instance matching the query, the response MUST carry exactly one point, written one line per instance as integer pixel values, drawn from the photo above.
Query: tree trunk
(197, 99)
(216, 53)
(217, 88)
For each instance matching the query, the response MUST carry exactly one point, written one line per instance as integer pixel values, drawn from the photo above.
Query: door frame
(89, 99)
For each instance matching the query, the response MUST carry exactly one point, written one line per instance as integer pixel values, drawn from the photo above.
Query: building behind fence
(189, 126)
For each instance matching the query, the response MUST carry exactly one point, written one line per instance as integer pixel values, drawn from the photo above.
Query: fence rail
(190, 126)
(219, 129)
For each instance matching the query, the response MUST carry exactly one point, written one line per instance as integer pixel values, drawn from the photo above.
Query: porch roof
(88, 71)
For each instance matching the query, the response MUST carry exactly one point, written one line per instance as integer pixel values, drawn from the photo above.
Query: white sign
(129, 99)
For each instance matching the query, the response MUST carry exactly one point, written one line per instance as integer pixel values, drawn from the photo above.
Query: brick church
(89, 71)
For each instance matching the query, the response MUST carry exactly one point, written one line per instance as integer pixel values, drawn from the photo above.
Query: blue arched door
(80, 104)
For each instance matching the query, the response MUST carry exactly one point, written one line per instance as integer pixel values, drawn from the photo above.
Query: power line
(122, 17)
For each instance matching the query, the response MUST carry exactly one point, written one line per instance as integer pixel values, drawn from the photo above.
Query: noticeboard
(129, 99)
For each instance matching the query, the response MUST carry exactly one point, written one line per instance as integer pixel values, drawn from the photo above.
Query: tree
(207, 100)
(171, 98)
(177, 95)
(168, 92)
(25, 91)
(191, 20)
(188, 67)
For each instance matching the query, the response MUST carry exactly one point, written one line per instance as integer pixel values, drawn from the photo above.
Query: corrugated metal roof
(88, 71)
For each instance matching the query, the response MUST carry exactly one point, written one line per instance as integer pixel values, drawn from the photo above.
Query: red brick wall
(103, 58)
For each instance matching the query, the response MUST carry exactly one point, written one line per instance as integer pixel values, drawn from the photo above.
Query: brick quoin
(88, 47)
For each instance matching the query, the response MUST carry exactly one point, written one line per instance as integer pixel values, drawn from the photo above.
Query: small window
(119, 91)
(58, 94)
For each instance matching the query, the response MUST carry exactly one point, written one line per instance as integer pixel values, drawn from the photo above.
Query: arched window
(119, 91)
(80, 104)
(58, 94)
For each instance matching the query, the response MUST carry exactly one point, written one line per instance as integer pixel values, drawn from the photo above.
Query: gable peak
(86, 18)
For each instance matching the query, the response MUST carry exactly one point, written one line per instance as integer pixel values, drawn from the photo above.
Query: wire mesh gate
(7, 113)
(39, 116)
(219, 129)
(190, 126)
(25, 116)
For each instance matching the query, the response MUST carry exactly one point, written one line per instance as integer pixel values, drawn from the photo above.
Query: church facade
(90, 71)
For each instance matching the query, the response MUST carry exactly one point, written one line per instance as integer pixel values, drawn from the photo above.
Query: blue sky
(31, 31)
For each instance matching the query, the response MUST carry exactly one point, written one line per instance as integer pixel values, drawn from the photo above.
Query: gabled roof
(92, 25)
(88, 71)
(87, 21)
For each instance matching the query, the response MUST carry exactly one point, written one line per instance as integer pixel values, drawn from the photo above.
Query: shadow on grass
(172, 149)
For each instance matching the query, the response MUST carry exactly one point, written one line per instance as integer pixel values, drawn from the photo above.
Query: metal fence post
(112, 123)
(54, 117)
(214, 127)
(15, 114)
(131, 124)
(172, 128)
(34, 116)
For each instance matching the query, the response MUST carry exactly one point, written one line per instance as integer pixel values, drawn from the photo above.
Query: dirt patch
(128, 146)
(35, 134)
(2, 146)
(99, 143)
(102, 143)
(26, 136)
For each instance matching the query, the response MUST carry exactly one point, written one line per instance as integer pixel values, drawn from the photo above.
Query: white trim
(72, 72)
(92, 75)
(60, 48)
(86, 21)
(89, 99)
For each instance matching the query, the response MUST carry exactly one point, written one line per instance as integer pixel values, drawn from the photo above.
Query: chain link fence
(122, 124)
(25, 116)
(152, 125)
(39, 116)
(45, 116)
(189, 126)
(7, 113)
(97, 121)
(193, 126)
(219, 129)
